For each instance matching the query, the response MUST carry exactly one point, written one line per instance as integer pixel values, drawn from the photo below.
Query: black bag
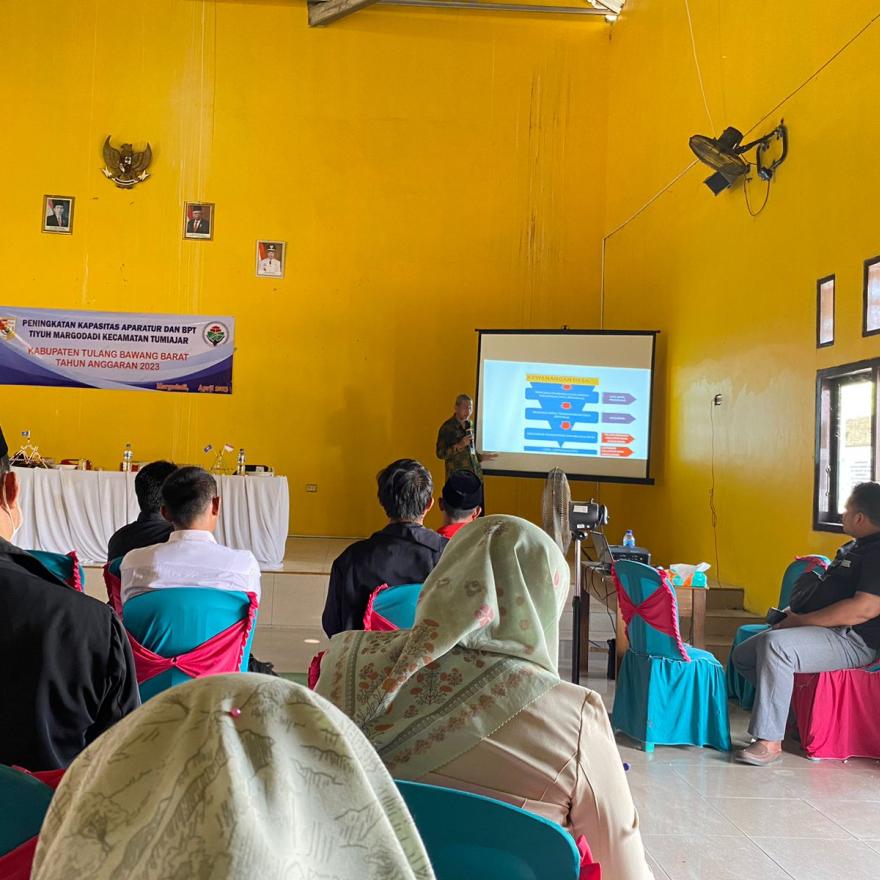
(807, 594)
(263, 666)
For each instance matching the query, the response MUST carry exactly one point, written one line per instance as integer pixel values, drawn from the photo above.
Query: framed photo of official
(198, 220)
(58, 214)
(270, 258)
(871, 297)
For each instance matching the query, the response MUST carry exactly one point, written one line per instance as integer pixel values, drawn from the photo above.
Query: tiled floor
(706, 818)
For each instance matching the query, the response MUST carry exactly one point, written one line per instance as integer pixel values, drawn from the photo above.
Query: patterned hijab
(230, 777)
(483, 646)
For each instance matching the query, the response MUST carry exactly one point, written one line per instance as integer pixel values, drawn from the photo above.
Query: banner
(144, 352)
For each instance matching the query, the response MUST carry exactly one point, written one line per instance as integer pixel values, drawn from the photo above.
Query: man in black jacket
(150, 527)
(404, 552)
(833, 624)
(66, 669)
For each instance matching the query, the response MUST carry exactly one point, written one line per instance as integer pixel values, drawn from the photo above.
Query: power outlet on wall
(311, 487)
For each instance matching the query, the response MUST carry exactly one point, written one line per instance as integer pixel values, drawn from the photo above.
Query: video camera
(585, 516)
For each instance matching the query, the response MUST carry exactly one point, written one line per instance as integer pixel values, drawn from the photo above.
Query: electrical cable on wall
(715, 401)
(687, 8)
(749, 204)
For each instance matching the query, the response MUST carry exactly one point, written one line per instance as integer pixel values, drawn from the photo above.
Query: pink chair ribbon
(114, 589)
(814, 563)
(75, 580)
(220, 653)
(373, 621)
(590, 870)
(315, 669)
(659, 610)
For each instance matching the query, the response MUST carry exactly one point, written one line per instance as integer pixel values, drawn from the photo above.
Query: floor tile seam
(832, 819)
(847, 834)
(689, 783)
(760, 849)
(754, 841)
(705, 801)
(656, 863)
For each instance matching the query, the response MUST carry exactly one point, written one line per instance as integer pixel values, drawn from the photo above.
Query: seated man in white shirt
(191, 557)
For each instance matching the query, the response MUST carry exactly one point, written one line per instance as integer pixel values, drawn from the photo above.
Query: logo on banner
(215, 333)
(7, 328)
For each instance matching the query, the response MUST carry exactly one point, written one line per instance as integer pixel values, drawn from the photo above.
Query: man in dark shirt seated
(66, 670)
(150, 527)
(833, 623)
(404, 552)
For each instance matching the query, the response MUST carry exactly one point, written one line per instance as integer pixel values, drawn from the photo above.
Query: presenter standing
(456, 441)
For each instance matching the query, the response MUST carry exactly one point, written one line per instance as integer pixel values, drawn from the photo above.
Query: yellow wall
(431, 172)
(735, 295)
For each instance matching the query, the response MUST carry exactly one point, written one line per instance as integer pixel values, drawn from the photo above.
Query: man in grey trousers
(838, 627)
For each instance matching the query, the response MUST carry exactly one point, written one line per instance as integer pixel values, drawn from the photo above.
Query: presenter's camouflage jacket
(451, 431)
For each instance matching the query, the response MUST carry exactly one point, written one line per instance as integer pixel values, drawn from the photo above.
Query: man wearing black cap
(460, 501)
(66, 670)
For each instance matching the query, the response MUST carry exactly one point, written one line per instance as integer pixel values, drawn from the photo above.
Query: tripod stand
(576, 600)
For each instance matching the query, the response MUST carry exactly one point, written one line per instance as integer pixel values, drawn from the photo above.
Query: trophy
(218, 467)
(28, 454)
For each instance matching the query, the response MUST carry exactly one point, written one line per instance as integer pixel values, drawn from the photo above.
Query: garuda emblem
(125, 167)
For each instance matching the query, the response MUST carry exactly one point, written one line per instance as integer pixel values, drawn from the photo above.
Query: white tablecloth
(68, 510)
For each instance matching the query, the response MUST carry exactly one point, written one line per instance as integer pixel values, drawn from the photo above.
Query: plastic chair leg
(648, 747)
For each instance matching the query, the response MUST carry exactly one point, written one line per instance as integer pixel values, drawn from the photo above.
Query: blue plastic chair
(174, 621)
(23, 805)
(398, 604)
(61, 566)
(662, 699)
(471, 837)
(738, 687)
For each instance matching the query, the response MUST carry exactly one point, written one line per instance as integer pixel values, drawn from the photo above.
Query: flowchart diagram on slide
(566, 409)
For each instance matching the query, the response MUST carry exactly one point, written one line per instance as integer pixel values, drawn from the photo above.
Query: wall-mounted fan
(724, 155)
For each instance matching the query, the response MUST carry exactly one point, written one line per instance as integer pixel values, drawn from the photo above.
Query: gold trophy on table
(28, 454)
(218, 466)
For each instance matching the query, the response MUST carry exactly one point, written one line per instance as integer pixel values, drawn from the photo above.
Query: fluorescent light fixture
(312, 641)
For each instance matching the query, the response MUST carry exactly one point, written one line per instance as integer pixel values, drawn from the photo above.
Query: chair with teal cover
(181, 624)
(392, 608)
(471, 837)
(668, 693)
(738, 687)
(65, 567)
(24, 801)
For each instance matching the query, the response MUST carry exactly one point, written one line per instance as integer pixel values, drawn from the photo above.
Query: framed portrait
(825, 311)
(270, 258)
(58, 214)
(198, 220)
(871, 297)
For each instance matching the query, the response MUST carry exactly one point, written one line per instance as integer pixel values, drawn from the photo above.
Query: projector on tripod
(583, 518)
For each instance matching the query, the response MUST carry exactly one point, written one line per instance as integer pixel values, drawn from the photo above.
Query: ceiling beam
(499, 7)
(323, 12)
(327, 11)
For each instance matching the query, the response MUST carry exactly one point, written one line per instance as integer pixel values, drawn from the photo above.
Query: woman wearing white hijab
(471, 698)
(230, 777)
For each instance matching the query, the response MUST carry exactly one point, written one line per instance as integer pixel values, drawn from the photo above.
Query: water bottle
(629, 539)
(240, 469)
(127, 456)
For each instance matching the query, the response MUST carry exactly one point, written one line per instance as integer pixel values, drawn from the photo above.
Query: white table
(68, 510)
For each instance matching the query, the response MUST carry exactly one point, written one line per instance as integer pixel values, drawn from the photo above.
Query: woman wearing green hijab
(471, 698)
(230, 777)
